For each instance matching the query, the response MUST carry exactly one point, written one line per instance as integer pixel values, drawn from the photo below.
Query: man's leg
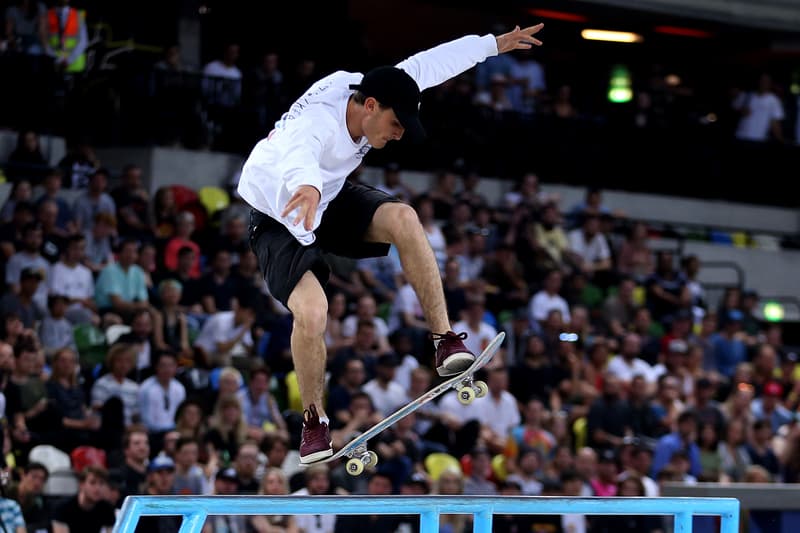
(309, 307)
(398, 224)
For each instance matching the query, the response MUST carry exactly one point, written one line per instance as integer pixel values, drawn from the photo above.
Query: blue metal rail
(195, 509)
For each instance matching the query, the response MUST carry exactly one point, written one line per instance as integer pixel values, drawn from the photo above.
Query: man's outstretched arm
(439, 64)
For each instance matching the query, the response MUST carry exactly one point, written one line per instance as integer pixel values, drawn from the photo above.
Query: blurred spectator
(381, 275)
(78, 423)
(227, 334)
(26, 161)
(86, 511)
(227, 428)
(609, 419)
(379, 484)
(635, 257)
(424, 206)
(160, 482)
(29, 257)
(629, 487)
(768, 407)
(761, 113)
(23, 303)
(185, 226)
(591, 249)
(189, 477)
(393, 185)
(116, 384)
(189, 420)
(479, 332)
(386, 394)
(605, 484)
(366, 310)
(732, 450)
(760, 449)
(591, 204)
(666, 287)
(160, 395)
(120, 287)
(506, 287)
(93, 200)
(443, 194)
(99, 242)
(548, 299)
(684, 438)
(165, 212)
(274, 483)
(627, 364)
(529, 462)
(260, 408)
(28, 494)
(246, 463)
(729, 349)
(170, 324)
(478, 482)
(132, 202)
(78, 165)
(317, 483)
(454, 289)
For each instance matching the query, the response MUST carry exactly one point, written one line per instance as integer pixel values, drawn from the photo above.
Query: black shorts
(283, 260)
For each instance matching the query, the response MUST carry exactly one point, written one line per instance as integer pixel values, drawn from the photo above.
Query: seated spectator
(52, 192)
(246, 463)
(548, 299)
(160, 482)
(115, 383)
(628, 364)
(768, 407)
(234, 237)
(32, 418)
(227, 428)
(165, 213)
(760, 449)
(274, 483)
(218, 286)
(363, 349)
(29, 257)
(635, 258)
(362, 415)
(189, 477)
(53, 237)
(683, 438)
(189, 420)
(732, 450)
(386, 394)
(23, 303)
(591, 248)
(12, 233)
(170, 325)
(70, 278)
(121, 287)
(55, 331)
(609, 419)
(479, 332)
(93, 200)
(185, 226)
(350, 382)
(88, 510)
(141, 336)
(528, 465)
(21, 192)
(666, 288)
(629, 487)
(227, 334)
(531, 434)
(478, 482)
(317, 482)
(78, 423)
(160, 395)
(99, 244)
(28, 494)
(337, 307)
(26, 161)
(505, 279)
(366, 309)
(132, 202)
(260, 408)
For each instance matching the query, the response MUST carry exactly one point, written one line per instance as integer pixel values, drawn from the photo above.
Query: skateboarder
(295, 181)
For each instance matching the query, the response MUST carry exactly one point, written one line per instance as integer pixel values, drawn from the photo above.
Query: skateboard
(356, 450)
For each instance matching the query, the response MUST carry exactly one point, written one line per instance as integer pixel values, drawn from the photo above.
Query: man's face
(380, 124)
(187, 455)
(318, 484)
(167, 366)
(379, 486)
(33, 240)
(162, 480)
(247, 461)
(138, 447)
(92, 488)
(34, 481)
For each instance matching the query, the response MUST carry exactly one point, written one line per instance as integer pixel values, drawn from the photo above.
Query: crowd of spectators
(139, 341)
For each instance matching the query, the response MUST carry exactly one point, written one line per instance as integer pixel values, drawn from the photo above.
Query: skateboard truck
(359, 459)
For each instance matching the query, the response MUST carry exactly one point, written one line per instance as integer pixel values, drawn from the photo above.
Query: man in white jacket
(298, 175)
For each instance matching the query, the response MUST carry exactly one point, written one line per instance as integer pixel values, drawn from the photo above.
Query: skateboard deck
(468, 390)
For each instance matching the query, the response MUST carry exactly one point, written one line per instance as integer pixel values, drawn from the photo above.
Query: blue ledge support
(195, 509)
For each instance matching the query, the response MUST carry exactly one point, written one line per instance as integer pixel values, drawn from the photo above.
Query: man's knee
(399, 220)
(310, 316)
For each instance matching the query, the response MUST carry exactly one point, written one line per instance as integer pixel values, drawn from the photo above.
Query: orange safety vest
(64, 42)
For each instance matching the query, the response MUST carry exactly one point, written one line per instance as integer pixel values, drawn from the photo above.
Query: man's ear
(370, 104)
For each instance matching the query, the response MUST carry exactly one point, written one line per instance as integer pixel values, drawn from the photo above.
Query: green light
(773, 312)
(619, 88)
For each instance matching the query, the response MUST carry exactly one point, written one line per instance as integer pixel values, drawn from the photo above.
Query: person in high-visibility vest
(67, 38)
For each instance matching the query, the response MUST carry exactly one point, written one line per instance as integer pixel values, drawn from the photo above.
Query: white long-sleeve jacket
(311, 145)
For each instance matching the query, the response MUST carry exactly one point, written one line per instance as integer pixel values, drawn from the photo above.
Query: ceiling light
(611, 36)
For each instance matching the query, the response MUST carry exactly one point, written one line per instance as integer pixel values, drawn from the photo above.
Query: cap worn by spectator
(418, 479)
(388, 359)
(228, 474)
(773, 388)
(734, 315)
(30, 273)
(161, 462)
(678, 346)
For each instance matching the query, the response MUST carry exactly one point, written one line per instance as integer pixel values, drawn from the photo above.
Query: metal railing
(195, 509)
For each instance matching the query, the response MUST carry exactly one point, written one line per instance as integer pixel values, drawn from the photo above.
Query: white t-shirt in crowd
(74, 282)
(405, 301)
(311, 144)
(350, 325)
(386, 401)
(595, 249)
(219, 69)
(501, 414)
(476, 341)
(542, 303)
(764, 108)
(626, 372)
(218, 328)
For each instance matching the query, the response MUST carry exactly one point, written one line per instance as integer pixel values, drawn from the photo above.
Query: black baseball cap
(393, 87)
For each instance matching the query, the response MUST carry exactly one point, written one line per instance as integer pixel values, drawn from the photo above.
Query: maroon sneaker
(316, 443)
(452, 357)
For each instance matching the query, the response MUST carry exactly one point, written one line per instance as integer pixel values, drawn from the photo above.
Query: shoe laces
(310, 415)
(448, 336)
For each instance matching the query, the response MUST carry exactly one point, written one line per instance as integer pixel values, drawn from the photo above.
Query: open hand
(518, 39)
(305, 200)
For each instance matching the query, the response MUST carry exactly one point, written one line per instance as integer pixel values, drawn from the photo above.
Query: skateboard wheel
(354, 466)
(370, 459)
(466, 396)
(481, 388)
